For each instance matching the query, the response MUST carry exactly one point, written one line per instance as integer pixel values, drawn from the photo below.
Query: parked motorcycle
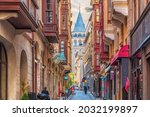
(42, 96)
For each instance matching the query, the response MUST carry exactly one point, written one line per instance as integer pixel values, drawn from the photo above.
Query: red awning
(122, 53)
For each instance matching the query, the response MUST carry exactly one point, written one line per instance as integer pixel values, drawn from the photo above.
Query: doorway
(3, 73)
(23, 74)
(148, 80)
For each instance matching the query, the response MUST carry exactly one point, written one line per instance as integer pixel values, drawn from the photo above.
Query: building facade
(65, 41)
(28, 38)
(24, 47)
(88, 56)
(139, 49)
(97, 37)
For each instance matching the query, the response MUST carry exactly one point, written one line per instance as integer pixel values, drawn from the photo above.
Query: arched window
(79, 35)
(3, 72)
(75, 35)
(80, 42)
(23, 73)
(75, 42)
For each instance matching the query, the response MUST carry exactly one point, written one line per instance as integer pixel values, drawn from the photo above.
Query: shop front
(137, 77)
(120, 66)
(140, 57)
(105, 83)
(105, 87)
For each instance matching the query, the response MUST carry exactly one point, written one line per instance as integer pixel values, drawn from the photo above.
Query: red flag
(127, 84)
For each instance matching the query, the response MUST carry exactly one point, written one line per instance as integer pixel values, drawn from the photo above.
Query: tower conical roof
(79, 25)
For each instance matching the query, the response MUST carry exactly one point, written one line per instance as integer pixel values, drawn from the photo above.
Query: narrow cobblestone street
(80, 95)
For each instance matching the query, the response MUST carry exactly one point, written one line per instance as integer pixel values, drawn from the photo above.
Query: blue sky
(75, 9)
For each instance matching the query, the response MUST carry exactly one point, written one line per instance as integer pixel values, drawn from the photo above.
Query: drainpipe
(33, 66)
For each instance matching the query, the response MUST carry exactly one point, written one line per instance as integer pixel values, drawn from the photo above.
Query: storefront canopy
(122, 53)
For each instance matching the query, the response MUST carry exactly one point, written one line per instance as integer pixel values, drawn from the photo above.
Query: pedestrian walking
(85, 89)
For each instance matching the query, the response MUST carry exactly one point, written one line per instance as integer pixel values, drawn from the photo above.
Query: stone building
(139, 33)
(88, 56)
(24, 48)
(28, 33)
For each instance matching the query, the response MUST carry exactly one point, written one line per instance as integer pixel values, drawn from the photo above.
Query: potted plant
(24, 90)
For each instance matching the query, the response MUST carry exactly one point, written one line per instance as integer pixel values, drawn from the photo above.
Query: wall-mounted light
(43, 66)
(36, 60)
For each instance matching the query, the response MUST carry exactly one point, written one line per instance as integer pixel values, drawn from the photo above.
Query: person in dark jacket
(44, 95)
(85, 89)
(44, 91)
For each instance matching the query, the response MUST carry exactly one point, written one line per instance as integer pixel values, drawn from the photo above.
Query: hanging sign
(65, 77)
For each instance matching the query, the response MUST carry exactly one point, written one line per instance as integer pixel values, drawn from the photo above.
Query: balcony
(51, 32)
(50, 20)
(17, 12)
(105, 56)
(120, 6)
(119, 11)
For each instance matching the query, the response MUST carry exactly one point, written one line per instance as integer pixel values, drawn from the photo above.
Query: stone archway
(23, 73)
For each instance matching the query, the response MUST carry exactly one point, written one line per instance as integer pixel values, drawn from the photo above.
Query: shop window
(137, 78)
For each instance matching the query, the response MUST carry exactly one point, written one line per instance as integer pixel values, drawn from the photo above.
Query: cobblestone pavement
(80, 95)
